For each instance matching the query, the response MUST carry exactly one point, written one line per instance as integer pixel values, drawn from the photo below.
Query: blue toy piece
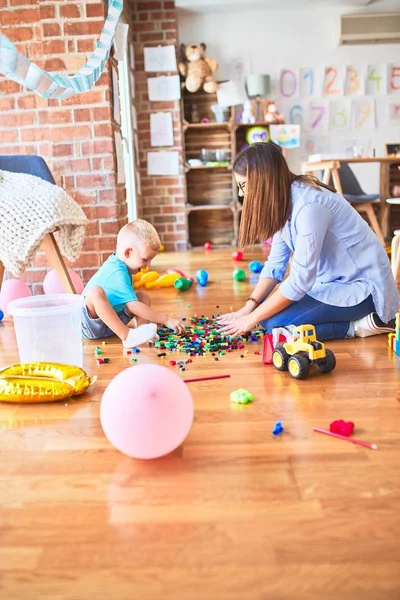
(202, 277)
(256, 266)
(1, 315)
(278, 428)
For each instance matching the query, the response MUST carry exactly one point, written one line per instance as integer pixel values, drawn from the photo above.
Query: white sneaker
(141, 335)
(372, 325)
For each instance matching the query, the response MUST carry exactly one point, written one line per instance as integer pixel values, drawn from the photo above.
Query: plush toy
(272, 116)
(247, 114)
(197, 69)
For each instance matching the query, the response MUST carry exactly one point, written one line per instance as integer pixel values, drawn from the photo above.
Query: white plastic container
(48, 328)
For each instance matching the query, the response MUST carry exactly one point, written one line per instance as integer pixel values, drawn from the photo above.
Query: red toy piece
(172, 271)
(172, 363)
(341, 427)
(238, 255)
(268, 347)
(208, 246)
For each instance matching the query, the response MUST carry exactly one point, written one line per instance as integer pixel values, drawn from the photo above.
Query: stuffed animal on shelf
(197, 69)
(247, 114)
(272, 116)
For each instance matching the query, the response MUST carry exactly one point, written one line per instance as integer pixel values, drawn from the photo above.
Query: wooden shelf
(211, 125)
(199, 167)
(256, 124)
(192, 207)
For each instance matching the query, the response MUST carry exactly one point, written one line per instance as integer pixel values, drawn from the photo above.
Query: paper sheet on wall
(163, 163)
(354, 80)
(340, 114)
(164, 89)
(161, 58)
(231, 93)
(115, 92)
(161, 129)
(119, 151)
(363, 110)
(376, 81)
(52, 85)
(394, 112)
(334, 81)
(317, 116)
(286, 136)
(121, 41)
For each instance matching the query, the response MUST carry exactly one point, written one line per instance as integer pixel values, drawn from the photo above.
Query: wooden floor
(235, 513)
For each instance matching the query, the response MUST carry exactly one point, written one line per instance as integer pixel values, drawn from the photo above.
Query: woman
(340, 278)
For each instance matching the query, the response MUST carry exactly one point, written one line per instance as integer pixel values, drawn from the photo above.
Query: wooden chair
(346, 184)
(35, 165)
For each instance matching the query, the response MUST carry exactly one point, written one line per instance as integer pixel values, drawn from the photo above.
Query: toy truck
(304, 350)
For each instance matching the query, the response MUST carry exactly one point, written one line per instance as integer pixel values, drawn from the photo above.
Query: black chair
(35, 165)
(362, 202)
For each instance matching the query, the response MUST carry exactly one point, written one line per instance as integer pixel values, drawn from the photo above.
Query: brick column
(74, 136)
(154, 23)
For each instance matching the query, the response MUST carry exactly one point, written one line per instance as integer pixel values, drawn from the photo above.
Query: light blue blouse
(336, 258)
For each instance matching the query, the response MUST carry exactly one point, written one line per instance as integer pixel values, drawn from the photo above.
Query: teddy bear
(272, 116)
(197, 69)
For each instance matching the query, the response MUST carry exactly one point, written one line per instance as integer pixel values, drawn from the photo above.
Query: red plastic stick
(206, 378)
(347, 439)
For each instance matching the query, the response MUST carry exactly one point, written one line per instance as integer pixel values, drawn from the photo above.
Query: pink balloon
(146, 411)
(13, 289)
(53, 285)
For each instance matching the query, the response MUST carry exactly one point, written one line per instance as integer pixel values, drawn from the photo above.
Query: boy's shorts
(94, 329)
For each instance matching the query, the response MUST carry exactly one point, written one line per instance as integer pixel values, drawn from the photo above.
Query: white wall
(268, 39)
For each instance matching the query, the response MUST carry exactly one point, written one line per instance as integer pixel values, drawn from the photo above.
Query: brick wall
(74, 136)
(154, 23)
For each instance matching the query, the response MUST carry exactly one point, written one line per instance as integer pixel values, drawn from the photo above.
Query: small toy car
(304, 350)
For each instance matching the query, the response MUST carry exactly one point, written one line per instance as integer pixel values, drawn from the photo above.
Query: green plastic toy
(239, 275)
(242, 396)
(182, 284)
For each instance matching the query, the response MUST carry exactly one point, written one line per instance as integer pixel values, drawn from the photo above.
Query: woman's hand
(227, 318)
(239, 326)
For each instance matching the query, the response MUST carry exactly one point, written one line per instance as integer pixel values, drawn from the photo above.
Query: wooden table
(388, 167)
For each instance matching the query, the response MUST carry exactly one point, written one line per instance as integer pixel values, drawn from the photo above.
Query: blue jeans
(331, 322)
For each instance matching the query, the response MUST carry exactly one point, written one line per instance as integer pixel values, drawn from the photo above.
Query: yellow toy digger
(304, 350)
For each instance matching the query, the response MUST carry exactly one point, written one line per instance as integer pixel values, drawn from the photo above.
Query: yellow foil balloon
(42, 382)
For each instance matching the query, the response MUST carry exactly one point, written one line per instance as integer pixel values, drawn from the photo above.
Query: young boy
(111, 304)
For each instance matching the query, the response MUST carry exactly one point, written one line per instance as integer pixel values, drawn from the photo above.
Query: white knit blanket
(29, 209)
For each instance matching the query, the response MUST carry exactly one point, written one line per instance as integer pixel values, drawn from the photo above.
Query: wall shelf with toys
(213, 206)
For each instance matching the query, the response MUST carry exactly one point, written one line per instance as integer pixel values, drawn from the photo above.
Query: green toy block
(242, 396)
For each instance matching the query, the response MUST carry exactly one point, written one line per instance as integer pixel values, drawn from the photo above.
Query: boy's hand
(175, 324)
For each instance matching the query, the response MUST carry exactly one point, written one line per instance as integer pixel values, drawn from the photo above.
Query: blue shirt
(336, 258)
(115, 279)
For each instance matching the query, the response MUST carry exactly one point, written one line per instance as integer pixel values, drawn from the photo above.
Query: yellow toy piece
(147, 277)
(139, 275)
(304, 350)
(42, 382)
(164, 281)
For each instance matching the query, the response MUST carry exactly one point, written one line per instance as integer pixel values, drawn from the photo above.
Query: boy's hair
(141, 230)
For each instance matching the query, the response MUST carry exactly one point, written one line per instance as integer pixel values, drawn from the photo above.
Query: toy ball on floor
(238, 255)
(146, 411)
(53, 285)
(239, 275)
(202, 277)
(207, 246)
(1, 315)
(13, 289)
(255, 266)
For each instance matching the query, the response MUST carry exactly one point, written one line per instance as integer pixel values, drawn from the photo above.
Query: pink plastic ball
(13, 289)
(53, 285)
(238, 255)
(146, 411)
(208, 246)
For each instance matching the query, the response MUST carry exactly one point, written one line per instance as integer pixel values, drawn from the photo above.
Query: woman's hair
(267, 200)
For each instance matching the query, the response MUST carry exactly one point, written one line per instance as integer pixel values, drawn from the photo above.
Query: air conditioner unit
(370, 28)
